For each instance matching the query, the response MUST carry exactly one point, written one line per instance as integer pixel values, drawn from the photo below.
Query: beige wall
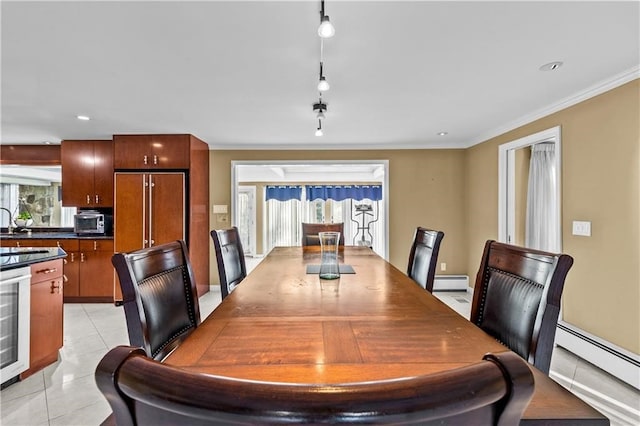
(600, 183)
(426, 189)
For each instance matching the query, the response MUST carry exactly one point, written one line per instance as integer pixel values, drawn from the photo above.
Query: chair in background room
(516, 298)
(310, 232)
(495, 390)
(159, 296)
(423, 257)
(232, 268)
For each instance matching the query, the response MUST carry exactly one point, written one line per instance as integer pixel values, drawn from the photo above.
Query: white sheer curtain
(541, 226)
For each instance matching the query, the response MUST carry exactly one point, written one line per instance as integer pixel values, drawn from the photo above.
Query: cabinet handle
(17, 243)
(88, 199)
(64, 261)
(65, 279)
(58, 243)
(145, 159)
(54, 287)
(46, 271)
(81, 257)
(73, 257)
(95, 245)
(97, 199)
(155, 159)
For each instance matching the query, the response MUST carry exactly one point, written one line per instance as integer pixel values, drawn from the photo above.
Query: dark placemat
(344, 269)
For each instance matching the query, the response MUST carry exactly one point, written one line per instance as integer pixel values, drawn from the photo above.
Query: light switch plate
(582, 228)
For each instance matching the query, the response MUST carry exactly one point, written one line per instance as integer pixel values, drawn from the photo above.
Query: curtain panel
(344, 192)
(283, 192)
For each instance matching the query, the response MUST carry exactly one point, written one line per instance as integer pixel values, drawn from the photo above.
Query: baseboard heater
(614, 360)
(451, 283)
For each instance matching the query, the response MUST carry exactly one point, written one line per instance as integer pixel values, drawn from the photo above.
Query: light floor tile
(564, 363)
(66, 397)
(590, 379)
(30, 385)
(27, 410)
(93, 414)
(70, 367)
(113, 338)
(84, 344)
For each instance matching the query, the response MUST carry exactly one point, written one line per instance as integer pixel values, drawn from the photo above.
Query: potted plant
(24, 219)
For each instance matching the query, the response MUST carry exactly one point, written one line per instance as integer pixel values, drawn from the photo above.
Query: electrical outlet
(443, 266)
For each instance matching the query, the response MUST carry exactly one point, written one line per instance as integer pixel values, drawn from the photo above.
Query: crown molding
(595, 90)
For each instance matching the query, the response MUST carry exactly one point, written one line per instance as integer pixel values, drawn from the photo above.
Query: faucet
(10, 225)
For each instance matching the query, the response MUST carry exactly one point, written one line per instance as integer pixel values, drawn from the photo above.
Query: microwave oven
(91, 222)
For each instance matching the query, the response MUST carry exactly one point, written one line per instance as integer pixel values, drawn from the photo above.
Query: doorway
(300, 173)
(512, 192)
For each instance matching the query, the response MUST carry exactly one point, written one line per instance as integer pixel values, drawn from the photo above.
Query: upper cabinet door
(87, 173)
(145, 152)
(103, 174)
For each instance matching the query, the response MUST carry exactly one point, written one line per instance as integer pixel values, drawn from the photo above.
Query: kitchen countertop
(52, 236)
(17, 257)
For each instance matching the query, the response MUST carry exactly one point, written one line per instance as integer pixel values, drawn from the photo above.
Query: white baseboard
(450, 283)
(614, 360)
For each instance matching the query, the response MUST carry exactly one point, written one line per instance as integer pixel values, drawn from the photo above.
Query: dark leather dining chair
(159, 296)
(232, 268)
(423, 257)
(516, 298)
(141, 391)
(310, 232)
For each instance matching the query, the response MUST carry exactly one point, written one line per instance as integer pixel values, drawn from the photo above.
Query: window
(34, 194)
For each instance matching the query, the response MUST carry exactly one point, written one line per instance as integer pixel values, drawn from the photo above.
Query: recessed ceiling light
(551, 66)
(442, 133)
(83, 117)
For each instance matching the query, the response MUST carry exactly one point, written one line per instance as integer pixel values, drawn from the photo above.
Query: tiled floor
(65, 392)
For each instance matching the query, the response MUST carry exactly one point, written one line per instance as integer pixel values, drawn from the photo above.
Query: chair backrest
(423, 257)
(516, 298)
(159, 296)
(494, 391)
(232, 268)
(310, 232)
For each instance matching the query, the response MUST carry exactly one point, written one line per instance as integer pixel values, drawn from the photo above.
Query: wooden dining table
(283, 324)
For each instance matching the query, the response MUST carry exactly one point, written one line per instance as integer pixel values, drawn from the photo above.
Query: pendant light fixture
(320, 108)
(325, 30)
(323, 84)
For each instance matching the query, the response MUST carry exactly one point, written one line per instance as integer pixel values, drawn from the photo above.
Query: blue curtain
(344, 192)
(283, 192)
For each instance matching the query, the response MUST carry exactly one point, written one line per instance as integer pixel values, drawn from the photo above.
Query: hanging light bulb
(320, 115)
(323, 84)
(319, 129)
(325, 30)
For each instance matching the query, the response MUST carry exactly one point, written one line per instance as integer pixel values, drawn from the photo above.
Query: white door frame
(251, 250)
(506, 182)
(385, 185)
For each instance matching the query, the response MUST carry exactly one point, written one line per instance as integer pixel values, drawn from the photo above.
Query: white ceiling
(242, 75)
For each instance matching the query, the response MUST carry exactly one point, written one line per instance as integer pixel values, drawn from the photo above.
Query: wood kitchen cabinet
(152, 151)
(96, 270)
(87, 270)
(87, 173)
(155, 213)
(161, 194)
(46, 315)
